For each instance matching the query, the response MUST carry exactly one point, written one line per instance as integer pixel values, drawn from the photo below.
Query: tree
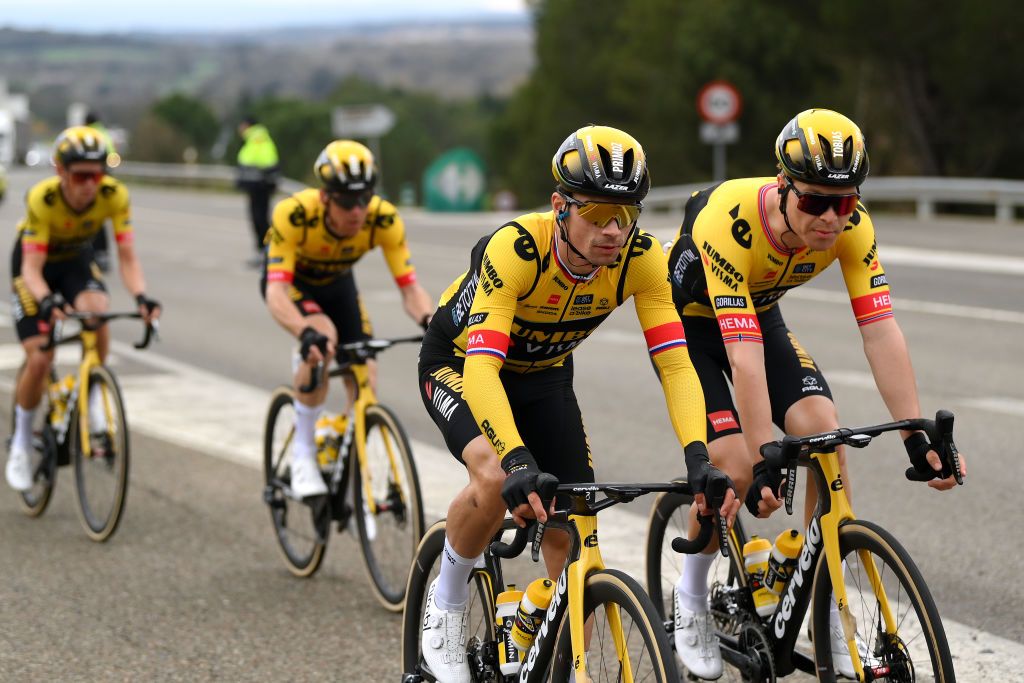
(191, 118)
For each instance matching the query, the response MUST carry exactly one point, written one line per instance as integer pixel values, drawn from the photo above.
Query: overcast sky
(219, 15)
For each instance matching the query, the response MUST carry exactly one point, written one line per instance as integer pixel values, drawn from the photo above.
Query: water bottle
(531, 612)
(327, 439)
(782, 561)
(755, 556)
(506, 605)
(60, 392)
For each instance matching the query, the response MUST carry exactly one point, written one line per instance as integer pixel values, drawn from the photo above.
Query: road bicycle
(65, 433)
(624, 639)
(890, 622)
(368, 467)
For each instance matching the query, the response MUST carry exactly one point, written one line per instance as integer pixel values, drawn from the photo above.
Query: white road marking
(990, 264)
(206, 412)
(998, 315)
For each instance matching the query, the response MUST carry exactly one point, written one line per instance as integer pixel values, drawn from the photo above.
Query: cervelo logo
(549, 618)
(807, 557)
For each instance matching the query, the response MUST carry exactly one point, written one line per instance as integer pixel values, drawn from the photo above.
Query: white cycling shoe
(443, 641)
(306, 478)
(19, 468)
(842, 663)
(697, 645)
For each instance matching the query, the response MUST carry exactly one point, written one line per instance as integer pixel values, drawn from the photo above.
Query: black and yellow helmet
(823, 147)
(80, 143)
(603, 161)
(346, 166)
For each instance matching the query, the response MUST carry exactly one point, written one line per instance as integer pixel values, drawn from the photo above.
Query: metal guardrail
(925, 192)
(204, 175)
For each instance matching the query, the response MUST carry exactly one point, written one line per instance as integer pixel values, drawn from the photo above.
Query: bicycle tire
(422, 572)
(44, 456)
(302, 545)
(101, 480)
(905, 588)
(653, 660)
(390, 537)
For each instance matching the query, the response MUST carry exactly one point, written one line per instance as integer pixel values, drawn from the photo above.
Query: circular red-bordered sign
(719, 102)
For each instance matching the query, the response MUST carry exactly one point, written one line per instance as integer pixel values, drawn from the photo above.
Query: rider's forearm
(485, 394)
(752, 401)
(889, 358)
(683, 395)
(282, 309)
(131, 271)
(416, 302)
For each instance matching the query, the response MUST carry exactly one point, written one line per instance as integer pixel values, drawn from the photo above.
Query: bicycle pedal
(412, 678)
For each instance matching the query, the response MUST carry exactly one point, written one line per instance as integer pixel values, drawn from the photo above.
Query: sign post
(719, 104)
(367, 121)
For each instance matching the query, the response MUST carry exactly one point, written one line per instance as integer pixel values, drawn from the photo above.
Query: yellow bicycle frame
(90, 360)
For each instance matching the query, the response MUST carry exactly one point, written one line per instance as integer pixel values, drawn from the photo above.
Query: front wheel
(880, 576)
(301, 529)
(43, 457)
(101, 478)
(615, 603)
(388, 507)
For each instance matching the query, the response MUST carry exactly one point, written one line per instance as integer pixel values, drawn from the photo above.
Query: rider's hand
(702, 477)
(149, 309)
(313, 345)
(425, 321)
(520, 488)
(764, 496)
(52, 307)
(926, 465)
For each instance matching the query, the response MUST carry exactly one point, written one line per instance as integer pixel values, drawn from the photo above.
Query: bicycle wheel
(390, 533)
(650, 655)
(301, 529)
(480, 627)
(917, 651)
(101, 479)
(43, 456)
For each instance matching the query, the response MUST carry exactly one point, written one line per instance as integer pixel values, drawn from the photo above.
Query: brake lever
(948, 452)
(789, 445)
(715, 498)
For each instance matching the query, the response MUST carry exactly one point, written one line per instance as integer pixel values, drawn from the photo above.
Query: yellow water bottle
(755, 557)
(506, 605)
(531, 612)
(326, 439)
(782, 561)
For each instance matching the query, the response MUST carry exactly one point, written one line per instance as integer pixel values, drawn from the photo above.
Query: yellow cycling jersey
(52, 227)
(519, 308)
(727, 264)
(300, 246)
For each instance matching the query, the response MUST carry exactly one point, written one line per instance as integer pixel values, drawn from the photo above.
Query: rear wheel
(101, 478)
(390, 532)
(43, 456)
(917, 649)
(301, 529)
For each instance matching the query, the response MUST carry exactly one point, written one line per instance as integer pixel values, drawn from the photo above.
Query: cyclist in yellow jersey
(52, 269)
(496, 364)
(315, 238)
(742, 245)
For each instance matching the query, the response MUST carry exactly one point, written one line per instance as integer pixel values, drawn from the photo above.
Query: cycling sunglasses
(817, 204)
(603, 213)
(350, 200)
(81, 177)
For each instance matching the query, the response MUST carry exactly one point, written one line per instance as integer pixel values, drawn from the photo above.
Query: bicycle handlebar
(713, 500)
(54, 339)
(355, 352)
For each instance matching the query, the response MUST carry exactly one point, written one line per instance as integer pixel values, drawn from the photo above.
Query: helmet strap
(783, 195)
(564, 233)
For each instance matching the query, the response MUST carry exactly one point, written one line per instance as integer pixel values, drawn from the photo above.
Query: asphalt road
(192, 587)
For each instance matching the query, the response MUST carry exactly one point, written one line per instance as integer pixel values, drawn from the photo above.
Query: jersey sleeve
(120, 212)
(862, 270)
(727, 266)
(502, 278)
(666, 341)
(391, 237)
(282, 240)
(35, 229)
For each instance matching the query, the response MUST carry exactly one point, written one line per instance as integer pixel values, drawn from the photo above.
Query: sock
(97, 409)
(23, 427)
(453, 584)
(304, 444)
(693, 582)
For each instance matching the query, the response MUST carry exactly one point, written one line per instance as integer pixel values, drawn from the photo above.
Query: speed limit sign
(719, 102)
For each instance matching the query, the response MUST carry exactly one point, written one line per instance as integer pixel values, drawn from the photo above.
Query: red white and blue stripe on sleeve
(664, 337)
(489, 342)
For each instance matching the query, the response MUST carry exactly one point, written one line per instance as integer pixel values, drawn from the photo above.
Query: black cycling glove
(764, 475)
(425, 322)
(149, 304)
(521, 481)
(309, 338)
(921, 470)
(704, 477)
(49, 303)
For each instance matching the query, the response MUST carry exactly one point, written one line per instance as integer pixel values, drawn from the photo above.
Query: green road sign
(455, 181)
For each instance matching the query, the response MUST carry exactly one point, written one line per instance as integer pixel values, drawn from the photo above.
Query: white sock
(453, 583)
(97, 409)
(693, 582)
(23, 427)
(304, 443)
